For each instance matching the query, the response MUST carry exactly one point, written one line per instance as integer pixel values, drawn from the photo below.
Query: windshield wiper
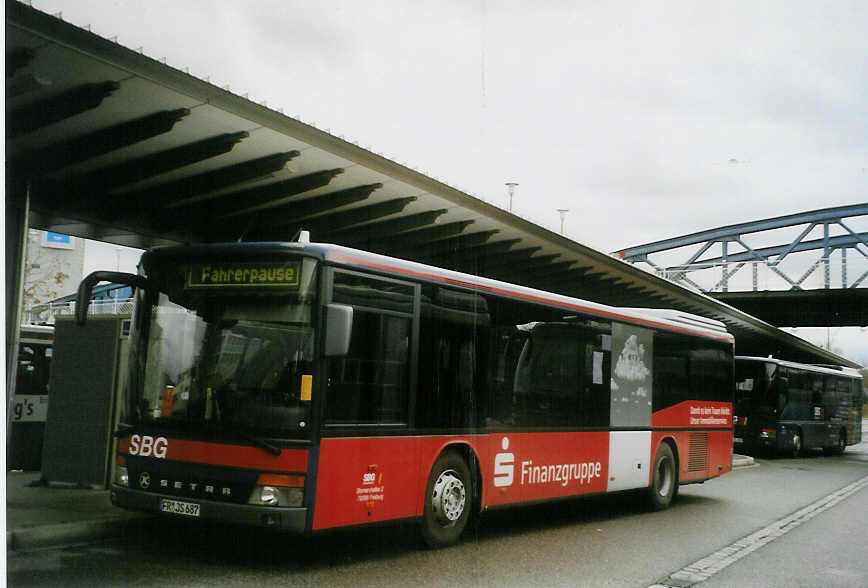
(258, 441)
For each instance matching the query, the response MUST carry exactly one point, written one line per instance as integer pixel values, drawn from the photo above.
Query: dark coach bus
(783, 407)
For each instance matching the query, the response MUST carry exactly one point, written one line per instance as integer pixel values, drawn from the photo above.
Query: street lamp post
(511, 187)
(563, 212)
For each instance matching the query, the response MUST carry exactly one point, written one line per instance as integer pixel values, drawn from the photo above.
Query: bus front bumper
(271, 517)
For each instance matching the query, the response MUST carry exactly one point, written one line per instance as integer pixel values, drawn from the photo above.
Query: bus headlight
(269, 495)
(295, 496)
(122, 474)
(278, 490)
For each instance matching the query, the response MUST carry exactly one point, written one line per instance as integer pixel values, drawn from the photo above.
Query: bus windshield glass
(229, 361)
(752, 386)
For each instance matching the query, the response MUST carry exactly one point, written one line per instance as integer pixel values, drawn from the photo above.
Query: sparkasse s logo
(504, 466)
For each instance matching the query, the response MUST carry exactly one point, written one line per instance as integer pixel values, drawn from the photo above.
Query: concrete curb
(742, 461)
(71, 534)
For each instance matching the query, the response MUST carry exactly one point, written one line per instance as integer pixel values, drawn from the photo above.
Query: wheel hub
(448, 498)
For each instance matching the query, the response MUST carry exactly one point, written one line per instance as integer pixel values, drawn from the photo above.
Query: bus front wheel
(665, 479)
(448, 500)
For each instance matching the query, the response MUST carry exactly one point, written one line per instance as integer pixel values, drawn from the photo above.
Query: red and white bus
(308, 386)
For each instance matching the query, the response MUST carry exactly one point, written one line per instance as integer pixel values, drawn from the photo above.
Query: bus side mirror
(338, 328)
(85, 289)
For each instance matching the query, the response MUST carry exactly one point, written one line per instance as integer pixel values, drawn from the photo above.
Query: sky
(647, 120)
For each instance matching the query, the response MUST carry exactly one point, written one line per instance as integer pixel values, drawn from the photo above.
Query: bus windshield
(232, 363)
(752, 386)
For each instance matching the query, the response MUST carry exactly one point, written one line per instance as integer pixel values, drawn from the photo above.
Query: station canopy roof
(119, 147)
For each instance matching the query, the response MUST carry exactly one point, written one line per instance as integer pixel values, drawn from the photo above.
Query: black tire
(841, 444)
(448, 501)
(664, 481)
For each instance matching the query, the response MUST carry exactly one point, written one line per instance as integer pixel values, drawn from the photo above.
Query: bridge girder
(805, 308)
(769, 257)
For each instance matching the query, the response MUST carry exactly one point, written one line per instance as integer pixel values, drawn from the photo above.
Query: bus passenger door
(368, 469)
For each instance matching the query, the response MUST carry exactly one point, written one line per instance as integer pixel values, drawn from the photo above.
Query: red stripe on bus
(239, 456)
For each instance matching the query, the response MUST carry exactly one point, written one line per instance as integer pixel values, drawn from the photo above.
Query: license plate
(738, 440)
(187, 509)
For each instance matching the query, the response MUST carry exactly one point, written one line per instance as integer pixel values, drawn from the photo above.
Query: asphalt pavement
(44, 516)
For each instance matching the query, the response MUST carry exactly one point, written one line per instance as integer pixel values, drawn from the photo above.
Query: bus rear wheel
(840, 445)
(448, 499)
(665, 478)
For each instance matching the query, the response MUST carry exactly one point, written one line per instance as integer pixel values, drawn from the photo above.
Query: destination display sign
(284, 274)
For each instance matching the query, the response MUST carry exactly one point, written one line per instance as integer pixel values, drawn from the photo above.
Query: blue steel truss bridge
(798, 270)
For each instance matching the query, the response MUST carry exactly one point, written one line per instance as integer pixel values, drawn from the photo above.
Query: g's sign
(241, 275)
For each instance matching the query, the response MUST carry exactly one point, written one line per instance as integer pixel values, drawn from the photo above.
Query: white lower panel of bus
(629, 459)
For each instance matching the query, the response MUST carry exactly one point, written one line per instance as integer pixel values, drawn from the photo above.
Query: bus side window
(547, 376)
(823, 396)
(710, 371)
(543, 369)
(855, 398)
(562, 376)
(670, 372)
(780, 388)
(816, 384)
(370, 385)
(594, 393)
(837, 399)
(505, 347)
(453, 335)
(798, 397)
